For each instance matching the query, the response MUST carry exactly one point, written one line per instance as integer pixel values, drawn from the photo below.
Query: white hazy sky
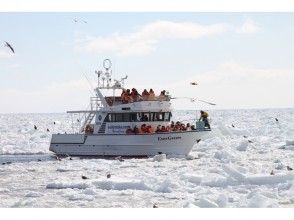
(240, 60)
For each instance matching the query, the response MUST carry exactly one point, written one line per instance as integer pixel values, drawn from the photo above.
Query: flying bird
(79, 20)
(8, 45)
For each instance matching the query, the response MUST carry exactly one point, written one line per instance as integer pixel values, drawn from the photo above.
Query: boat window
(152, 116)
(158, 116)
(167, 116)
(108, 118)
(118, 117)
(134, 117)
(126, 117)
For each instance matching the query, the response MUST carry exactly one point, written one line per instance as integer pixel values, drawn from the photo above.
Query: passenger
(151, 95)
(145, 95)
(136, 130)
(188, 127)
(143, 128)
(163, 129)
(158, 129)
(183, 127)
(172, 127)
(144, 118)
(122, 93)
(177, 127)
(150, 130)
(162, 96)
(130, 131)
(193, 128)
(126, 97)
(135, 95)
(204, 118)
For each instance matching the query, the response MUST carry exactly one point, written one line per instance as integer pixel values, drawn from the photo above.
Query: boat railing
(117, 100)
(95, 103)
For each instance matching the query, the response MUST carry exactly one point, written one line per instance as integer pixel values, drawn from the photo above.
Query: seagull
(8, 45)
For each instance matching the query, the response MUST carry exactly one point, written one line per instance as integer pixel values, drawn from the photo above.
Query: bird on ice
(10, 47)
(194, 83)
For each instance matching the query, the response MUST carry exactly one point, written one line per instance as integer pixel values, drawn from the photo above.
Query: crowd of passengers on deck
(173, 127)
(128, 96)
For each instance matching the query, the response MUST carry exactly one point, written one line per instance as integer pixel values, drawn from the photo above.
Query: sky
(239, 60)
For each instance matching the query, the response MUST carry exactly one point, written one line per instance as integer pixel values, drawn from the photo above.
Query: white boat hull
(175, 143)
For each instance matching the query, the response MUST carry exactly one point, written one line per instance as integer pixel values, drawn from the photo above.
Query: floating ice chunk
(222, 200)
(289, 142)
(206, 203)
(272, 179)
(61, 185)
(279, 166)
(192, 178)
(33, 194)
(260, 201)
(233, 173)
(167, 186)
(159, 157)
(89, 192)
(189, 205)
(242, 146)
(75, 197)
(190, 157)
(120, 184)
(216, 182)
(223, 156)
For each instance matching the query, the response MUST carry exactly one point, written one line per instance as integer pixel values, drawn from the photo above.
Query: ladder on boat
(102, 128)
(87, 121)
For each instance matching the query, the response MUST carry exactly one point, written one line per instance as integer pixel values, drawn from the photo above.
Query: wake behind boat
(127, 125)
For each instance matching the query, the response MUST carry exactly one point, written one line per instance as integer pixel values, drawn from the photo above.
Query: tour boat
(103, 128)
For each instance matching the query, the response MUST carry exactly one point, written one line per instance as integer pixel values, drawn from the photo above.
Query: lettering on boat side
(168, 138)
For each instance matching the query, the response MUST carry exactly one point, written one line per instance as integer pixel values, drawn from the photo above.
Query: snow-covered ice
(246, 165)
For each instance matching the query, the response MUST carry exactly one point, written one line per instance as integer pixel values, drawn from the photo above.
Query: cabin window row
(141, 116)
